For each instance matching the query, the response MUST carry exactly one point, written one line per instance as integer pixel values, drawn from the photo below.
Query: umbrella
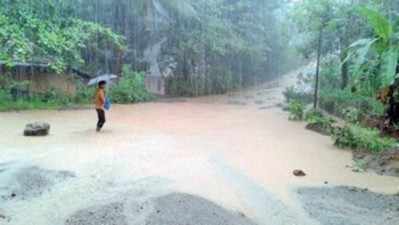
(105, 77)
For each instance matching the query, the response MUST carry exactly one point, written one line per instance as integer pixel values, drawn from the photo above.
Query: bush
(360, 138)
(130, 88)
(334, 101)
(14, 95)
(330, 73)
(319, 123)
(352, 115)
(84, 94)
(293, 94)
(296, 110)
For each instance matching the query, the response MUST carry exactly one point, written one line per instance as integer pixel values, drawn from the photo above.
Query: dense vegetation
(129, 89)
(48, 32)
(206, 47)
(356, 76)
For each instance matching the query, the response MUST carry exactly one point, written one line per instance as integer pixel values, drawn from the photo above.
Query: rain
(200, 112)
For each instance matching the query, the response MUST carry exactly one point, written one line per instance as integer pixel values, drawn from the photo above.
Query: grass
(129, 89)
(364, 139)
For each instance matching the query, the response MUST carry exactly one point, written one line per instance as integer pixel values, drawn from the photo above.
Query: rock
(37, 129)
(299, 173)
(325, 182)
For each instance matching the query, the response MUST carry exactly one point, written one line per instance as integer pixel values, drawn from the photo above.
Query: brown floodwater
(219, 147)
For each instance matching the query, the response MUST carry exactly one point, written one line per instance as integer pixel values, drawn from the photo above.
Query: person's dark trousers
(101, 118)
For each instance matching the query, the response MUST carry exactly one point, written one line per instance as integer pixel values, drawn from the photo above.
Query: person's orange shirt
(100, 99)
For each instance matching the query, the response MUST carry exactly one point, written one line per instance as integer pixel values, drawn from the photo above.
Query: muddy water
(237, 150)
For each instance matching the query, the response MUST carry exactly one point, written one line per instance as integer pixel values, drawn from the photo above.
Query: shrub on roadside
(316, 121)
(130, 88)
(352, 115)
(13, 96)
(293, 94)
(296, 110)
(333, 101)
(359, 138)
(84, 94)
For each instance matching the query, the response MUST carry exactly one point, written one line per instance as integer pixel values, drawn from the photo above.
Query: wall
(60, 82)
(42, 80)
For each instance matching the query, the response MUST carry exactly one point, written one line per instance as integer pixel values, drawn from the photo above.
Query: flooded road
(237, 150)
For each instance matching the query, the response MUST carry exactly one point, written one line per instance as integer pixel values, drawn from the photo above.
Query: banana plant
(383, 47)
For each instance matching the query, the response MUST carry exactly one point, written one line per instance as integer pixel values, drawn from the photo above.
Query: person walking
(100, 100)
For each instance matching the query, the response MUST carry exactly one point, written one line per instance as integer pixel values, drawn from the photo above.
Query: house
(41, 78)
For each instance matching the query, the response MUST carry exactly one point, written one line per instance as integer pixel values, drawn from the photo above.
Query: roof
(45, 66)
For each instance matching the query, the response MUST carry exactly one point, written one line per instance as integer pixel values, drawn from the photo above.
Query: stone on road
(37, 129)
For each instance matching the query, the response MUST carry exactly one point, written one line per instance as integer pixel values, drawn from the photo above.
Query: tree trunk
(148, 15)
(316, 89)
(344, 70)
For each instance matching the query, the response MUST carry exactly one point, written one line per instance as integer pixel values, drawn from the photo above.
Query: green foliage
(383, 48)
(41, 32)
(330, 73)
(335, 18)
(316, 120)
(84, 94)
(336, 101)
(360, 138)
(130, 88)
(224, 44)
(352, 115)
(296, 110)
(381, 25)
(293, 94)
(48, 100)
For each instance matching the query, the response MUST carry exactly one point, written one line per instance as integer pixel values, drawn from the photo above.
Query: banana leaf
(389, 61)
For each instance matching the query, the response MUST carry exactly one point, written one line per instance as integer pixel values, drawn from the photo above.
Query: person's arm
(102, 97)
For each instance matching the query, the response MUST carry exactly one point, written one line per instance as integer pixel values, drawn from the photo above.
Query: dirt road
(213, 160)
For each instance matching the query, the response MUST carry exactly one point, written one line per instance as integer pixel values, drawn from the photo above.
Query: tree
(341, 27)
(314, 16)
(382, 47)
(48, 32)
